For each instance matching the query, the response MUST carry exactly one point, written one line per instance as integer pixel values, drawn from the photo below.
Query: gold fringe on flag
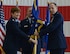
(16, 3)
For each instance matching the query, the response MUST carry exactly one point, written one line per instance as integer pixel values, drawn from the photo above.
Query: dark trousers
(10, 50)
(57, 51)
(27, 47)
(29, 51)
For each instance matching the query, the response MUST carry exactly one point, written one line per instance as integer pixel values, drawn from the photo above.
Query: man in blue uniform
(56, 39)
(14, 33)
(28, 25)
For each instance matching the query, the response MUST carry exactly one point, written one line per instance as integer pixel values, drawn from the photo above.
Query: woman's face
(16, 15)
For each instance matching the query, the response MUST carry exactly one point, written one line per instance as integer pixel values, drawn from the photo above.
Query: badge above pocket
(25, 25)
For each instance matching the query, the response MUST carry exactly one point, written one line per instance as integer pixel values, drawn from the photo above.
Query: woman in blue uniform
(14, 34)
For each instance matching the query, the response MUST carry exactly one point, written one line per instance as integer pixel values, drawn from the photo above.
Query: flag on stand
(45, 38)
(47, 23)
(2, 28)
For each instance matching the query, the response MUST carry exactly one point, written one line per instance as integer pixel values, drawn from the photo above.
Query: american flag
(2, 26)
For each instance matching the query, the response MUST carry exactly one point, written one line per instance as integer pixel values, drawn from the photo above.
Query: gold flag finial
(48, 2)
(16, 3)
(1, 0)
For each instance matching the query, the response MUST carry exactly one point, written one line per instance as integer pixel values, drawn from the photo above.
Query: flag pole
(35, 45)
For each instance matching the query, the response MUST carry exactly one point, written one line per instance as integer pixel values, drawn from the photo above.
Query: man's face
(29, 12)
(53, 8)
(16, 14)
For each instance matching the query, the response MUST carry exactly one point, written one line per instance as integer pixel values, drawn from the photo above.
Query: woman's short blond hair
(15, 9)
